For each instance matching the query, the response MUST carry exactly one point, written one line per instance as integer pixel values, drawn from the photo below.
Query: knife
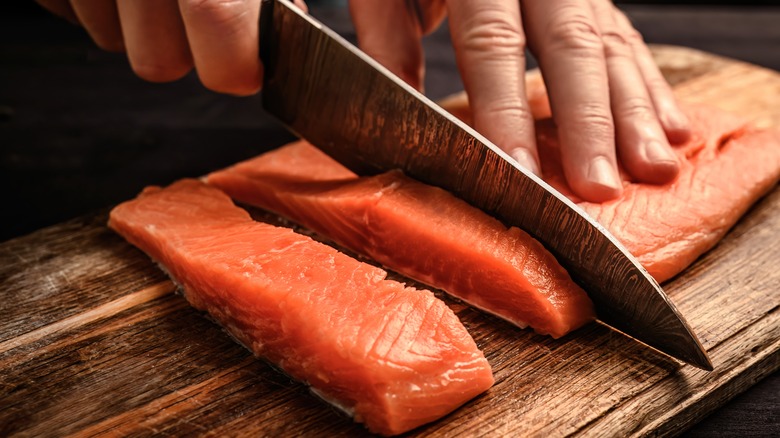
(330, 93)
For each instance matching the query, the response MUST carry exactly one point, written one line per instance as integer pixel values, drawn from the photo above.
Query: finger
(61, 8)
(389, 32)
(566, 41)
(301, 5)
(223, 38)
(490, 51)
(641, 142)
(154, 39)
(101, 20)
(673, 120)
(430, 14)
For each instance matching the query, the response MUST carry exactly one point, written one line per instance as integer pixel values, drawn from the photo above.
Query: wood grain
(94, 342)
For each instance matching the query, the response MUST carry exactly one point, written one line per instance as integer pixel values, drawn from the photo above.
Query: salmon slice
(417, 230)
(725, 168)
(393, 357)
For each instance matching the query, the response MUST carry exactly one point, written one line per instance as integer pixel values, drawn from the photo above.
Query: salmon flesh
(394, 357)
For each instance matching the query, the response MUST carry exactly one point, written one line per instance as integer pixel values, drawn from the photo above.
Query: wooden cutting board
(94, 341)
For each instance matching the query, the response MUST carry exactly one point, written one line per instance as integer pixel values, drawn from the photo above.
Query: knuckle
(509, 108)
(616, 44)
(599, 120)
(595, 120)
(633, 37)
(575, 32)
(629, 32)
(493, 31)
(637, 107)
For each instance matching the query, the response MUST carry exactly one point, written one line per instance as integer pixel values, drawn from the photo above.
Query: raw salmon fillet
(725, 168)
(393, 357)
(417, 230)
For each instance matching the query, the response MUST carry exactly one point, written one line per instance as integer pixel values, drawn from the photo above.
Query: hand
(164, 39)
(602, 82)
(607, 96)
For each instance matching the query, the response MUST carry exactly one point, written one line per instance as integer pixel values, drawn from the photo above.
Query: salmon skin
(420, 231)
(725, 168)
(393, 357)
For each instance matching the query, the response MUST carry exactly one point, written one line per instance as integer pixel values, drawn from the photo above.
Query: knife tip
(702, 361)
(687, 349)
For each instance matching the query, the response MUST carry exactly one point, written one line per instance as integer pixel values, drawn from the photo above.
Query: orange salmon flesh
(393, 357)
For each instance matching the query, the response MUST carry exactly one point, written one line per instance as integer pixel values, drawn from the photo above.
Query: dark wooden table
(78, 131)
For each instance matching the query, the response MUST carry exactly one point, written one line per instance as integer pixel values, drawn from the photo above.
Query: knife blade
(330, 93)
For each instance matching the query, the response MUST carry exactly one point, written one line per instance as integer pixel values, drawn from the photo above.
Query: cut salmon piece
(420, 231)
(725, 167)
(394, 357)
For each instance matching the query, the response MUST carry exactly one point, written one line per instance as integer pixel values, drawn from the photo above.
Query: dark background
(78, 131)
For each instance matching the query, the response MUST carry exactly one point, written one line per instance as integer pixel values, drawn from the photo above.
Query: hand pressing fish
(725, 167)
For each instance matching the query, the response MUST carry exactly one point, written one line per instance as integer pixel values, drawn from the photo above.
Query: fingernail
(527, 160)
(658, 153)
(665, 166)
(676, 125)
(602, 172)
